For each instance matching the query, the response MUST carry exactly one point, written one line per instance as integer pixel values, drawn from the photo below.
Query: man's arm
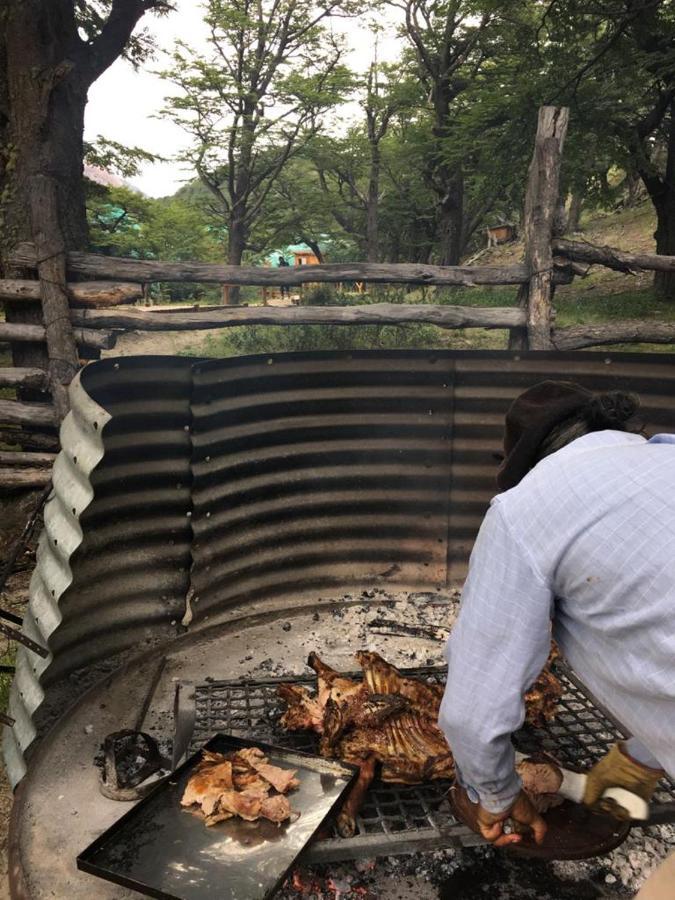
(497, 648)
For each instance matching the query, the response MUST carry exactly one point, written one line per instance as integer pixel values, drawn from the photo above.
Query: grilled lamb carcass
(332, 685)
(303, 711)
(383, 678)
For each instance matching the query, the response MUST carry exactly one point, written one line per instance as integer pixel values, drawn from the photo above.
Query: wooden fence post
(541, 203)
(51, 265)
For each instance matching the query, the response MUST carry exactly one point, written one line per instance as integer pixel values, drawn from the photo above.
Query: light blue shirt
(585, 541)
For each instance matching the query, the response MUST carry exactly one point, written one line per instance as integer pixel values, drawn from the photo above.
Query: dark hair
(612, 410)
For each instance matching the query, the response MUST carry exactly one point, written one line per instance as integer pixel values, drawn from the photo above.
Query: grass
(577, 307)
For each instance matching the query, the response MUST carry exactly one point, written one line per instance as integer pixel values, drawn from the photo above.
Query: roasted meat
(541, 779)
(239, 784)
(388, 719)
(303, 711)
(383, 678)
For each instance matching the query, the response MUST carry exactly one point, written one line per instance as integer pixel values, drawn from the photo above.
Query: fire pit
(229, 517)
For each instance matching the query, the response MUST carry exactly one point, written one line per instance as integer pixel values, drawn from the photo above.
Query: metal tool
(184, 716)
(616, 801)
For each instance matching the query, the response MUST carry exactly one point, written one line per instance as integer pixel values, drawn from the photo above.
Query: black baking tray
(163, 850)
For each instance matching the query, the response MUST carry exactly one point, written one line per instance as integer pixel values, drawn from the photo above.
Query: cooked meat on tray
(386, 718)
(241, 783)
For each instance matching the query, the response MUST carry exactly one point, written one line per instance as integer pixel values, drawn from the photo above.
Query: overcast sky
(123, 103)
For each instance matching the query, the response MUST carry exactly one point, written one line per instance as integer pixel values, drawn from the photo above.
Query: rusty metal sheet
(318, 471)
(269, 477)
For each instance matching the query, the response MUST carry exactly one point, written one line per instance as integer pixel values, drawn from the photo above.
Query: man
(582, 538)
(283, 264)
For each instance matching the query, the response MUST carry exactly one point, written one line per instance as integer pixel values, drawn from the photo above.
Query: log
(94, 294)
(26, 460)
(541, 203)
(612, 258)
(32, 378)
(50, 251)
(15, 412)
(373, 314)
(95, 265)
(20, 437)
(15, 331)
(574, 337)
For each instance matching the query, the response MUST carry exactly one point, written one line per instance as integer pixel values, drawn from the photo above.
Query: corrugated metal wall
(319, 471)
(299, 473)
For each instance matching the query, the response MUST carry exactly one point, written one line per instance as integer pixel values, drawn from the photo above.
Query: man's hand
(618, 769)
(491, 825)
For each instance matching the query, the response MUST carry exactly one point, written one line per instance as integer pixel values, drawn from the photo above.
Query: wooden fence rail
(98, 308)
(95, 265)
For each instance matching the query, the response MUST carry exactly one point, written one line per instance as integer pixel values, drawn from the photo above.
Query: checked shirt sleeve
(497, 648)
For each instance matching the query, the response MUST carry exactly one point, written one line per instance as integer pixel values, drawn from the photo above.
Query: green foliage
(115, 157)
(251, 103)
(253, 339)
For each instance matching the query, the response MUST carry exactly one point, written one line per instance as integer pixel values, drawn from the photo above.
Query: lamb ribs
(387, 719)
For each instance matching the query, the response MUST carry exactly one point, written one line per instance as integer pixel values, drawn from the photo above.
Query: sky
(124, 103)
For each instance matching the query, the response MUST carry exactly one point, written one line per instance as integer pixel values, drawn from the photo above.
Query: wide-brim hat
(536, 412)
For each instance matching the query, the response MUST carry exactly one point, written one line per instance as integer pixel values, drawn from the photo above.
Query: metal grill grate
(402, 818)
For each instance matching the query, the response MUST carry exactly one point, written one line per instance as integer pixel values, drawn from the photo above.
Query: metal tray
(162, 850)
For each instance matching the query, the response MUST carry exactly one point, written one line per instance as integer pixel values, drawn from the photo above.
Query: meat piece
(207, 782)
(541, 779)
(282, 780)
(303, 711)
(332, 684)
(413, 741)
(346, 820)
(244, 804)
(541, 701)
(360, 710)
(383, 678)
(276, 808)
(239, 784)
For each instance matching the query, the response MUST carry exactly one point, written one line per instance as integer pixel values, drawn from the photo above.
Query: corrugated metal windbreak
(317, 471)
(484, 386)
(311, 473)
(113, 565)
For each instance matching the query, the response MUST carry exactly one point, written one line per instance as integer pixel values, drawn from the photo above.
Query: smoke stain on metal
(309, 476)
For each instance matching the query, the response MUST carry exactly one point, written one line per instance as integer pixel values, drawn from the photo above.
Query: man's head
(550, 415)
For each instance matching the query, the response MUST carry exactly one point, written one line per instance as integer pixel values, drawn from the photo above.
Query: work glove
(618, 769)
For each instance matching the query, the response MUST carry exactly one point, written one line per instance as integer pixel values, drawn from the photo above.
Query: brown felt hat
(541, 408)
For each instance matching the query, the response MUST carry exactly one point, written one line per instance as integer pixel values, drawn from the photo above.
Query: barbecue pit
(228, 518)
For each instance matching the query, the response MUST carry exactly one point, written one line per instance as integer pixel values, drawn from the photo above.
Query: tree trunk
(236, 242)
(372, 208)
(450, 217)
(46, 118)
(664, 282)
(45, 102)
(574, 212)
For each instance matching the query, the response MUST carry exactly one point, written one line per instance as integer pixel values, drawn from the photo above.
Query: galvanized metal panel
(269, 476)
(113, 561)
(316, 472)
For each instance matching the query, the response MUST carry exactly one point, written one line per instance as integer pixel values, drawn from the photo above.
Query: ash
(471, 873)
(479, 873)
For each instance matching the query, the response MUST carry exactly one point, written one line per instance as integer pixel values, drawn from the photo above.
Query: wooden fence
(55, 324)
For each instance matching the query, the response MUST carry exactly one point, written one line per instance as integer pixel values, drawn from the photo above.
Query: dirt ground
(16, 510)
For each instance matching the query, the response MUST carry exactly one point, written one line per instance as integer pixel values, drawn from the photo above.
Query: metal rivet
(208, 515)
(608, 360)
(188, 514)
(116, 366)
(270, 362)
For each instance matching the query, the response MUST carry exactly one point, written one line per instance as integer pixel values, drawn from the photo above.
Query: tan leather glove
(618, 769)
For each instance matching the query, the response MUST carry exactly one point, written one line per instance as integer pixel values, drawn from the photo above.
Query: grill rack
(396, 818)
